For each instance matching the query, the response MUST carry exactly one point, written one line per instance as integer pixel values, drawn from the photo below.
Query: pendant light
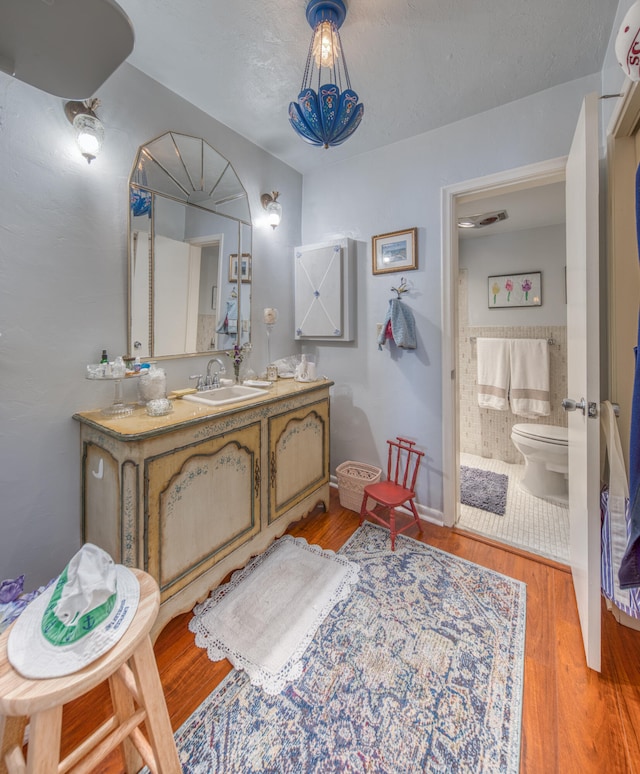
(330, 113)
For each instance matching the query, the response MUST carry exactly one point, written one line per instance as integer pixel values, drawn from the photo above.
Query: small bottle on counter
(105, 357)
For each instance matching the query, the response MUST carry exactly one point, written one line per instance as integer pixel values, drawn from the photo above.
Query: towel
(399, 326)
(229, 323)
(493, 373)
(530, 395)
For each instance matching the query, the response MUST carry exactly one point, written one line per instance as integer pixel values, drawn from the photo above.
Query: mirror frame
(178, 191)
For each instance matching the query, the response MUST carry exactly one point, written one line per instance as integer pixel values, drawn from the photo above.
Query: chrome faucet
(212, 380)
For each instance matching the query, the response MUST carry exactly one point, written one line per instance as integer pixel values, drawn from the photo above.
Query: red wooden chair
(399, 488)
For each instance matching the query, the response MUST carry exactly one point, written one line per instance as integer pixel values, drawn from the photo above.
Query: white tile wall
(486, 432)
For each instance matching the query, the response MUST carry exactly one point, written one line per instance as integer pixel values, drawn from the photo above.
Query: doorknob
(571, 405)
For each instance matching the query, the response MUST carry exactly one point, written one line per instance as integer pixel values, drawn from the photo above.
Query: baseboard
(426, 514)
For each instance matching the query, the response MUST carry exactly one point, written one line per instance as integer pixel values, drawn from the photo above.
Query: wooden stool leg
(145, 669)
(43, 754)
(11, 735)
(124, 707)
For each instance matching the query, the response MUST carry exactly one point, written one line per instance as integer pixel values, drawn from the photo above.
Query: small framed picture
(245, 267)
(515, 290)
(395, 252)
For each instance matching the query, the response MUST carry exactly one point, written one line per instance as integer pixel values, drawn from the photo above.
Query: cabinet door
(101, 521)
(202, 502)
(324, 291)
(298, 455)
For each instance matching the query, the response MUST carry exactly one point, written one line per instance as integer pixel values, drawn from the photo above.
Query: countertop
(185, 412)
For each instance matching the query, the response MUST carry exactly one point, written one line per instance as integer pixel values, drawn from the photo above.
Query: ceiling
(534, 207)
(415, 64)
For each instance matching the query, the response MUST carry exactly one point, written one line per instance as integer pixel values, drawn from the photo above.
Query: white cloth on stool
(530, 395)
(493, 373)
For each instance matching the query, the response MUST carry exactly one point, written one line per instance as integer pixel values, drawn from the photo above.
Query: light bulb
(274, 214)
(326, 48)
(89, 135)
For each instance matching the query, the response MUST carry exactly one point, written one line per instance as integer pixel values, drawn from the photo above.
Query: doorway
(479, 442)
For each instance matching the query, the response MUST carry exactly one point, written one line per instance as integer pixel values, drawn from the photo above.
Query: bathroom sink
(223, 395)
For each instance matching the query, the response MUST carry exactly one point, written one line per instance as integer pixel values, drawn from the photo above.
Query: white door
(584, 374)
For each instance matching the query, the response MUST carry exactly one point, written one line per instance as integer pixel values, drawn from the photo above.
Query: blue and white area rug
(420, 669)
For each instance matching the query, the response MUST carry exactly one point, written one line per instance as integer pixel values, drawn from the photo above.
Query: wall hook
(402, 287)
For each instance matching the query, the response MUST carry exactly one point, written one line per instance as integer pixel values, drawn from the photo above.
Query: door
(582, 182)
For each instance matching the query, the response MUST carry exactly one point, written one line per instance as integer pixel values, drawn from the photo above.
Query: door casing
(518, 179)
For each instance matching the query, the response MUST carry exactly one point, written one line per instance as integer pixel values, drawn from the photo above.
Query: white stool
(136, 694)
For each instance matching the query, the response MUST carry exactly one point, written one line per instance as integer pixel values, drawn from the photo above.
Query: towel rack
(550, 340)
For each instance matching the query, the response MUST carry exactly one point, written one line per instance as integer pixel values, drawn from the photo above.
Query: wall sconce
(88, 127)
(273, 208)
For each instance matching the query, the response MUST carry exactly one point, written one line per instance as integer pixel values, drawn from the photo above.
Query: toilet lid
(549, 433)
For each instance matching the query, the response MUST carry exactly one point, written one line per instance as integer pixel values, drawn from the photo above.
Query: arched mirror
(189, 251)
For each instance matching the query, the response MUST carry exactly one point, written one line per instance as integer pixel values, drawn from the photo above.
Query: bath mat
(484, 489)
(420, 669)
(265, 617)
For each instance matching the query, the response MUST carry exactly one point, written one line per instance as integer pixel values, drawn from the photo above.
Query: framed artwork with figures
(515, 290)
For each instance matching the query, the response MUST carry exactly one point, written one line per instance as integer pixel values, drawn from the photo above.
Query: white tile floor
(529, 522)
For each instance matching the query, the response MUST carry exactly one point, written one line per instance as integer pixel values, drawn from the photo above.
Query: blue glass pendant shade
(328, 120)
(328, 115)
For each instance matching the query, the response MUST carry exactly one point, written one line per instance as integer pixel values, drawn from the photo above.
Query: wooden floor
(574, 720)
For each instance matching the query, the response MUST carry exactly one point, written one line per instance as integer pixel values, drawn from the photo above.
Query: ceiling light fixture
(272, 207)
(482, 220)
(330, 115)
(88, 127)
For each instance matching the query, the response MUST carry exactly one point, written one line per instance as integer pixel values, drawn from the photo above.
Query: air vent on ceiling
(482, 220)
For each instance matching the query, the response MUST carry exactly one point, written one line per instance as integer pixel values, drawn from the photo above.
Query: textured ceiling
(415, 64)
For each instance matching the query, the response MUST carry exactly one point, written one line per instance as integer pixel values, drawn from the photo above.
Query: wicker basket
(352, 479)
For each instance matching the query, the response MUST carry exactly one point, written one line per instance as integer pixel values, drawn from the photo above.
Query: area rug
(484, 489)
(265, 617)
(420, 669)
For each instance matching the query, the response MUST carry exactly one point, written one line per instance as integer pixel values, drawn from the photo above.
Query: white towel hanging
(493, 373)
(530, 396)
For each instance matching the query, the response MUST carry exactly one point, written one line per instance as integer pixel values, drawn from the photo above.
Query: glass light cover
(274, 213)
(89, 135)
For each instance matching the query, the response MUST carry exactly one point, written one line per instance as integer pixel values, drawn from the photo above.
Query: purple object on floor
(10, 590)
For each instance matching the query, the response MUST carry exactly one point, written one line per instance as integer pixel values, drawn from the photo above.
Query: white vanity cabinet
(193, 496)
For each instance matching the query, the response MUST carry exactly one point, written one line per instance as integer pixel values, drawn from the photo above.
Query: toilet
(545, 449)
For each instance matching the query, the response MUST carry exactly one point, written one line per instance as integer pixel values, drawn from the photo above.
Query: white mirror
(189, 220)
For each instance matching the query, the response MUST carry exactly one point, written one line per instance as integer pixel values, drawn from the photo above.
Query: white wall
(533, 249)
(63, 258)
(379, 395)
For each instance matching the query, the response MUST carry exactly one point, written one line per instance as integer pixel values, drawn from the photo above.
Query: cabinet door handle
(100, 470)
(273, 470)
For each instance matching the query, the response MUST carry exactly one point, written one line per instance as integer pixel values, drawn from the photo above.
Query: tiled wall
(487, 432)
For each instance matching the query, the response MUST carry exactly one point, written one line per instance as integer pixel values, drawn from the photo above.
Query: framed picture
(515, 290)
(245, 267)
(395, 252)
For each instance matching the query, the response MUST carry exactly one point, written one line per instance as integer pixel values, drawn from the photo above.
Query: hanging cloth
(399, 326)
(629, 574)
(229, 323)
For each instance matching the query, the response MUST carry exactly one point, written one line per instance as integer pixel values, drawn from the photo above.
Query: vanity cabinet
(195, 495)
